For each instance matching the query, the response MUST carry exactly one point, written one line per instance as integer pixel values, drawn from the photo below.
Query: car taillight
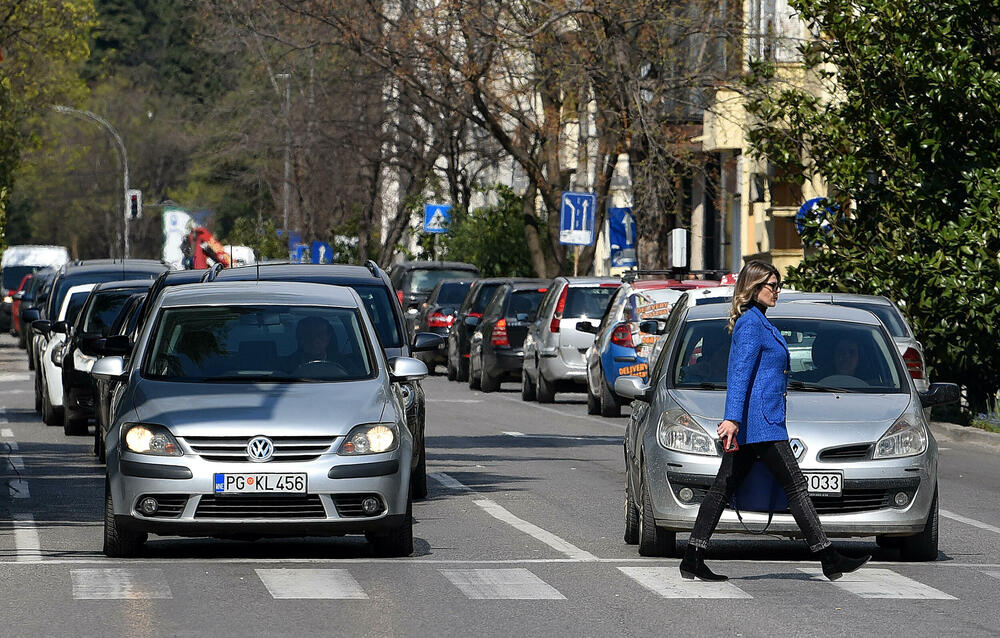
(622, 336)
(476, 315)
(499, 337)
(913, 363)
(399, 295)
(560, 306)
(438, 320)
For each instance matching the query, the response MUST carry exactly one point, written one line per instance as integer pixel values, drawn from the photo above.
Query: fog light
(685, 494)
(901, 499)
(148, 506)
(371, 505)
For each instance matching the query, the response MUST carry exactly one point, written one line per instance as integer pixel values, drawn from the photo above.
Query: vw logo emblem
(798, 448)
(260, 449)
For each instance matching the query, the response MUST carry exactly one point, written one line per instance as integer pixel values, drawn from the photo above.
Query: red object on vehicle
(399, 295)
(499, 337)
(622, 336)
(913, 363)
(610, 285)
(477, 315)
(15, 306)
(438, 320)
(560, 306)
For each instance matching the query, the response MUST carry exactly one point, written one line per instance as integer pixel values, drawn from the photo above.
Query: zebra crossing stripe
(119, 584)
(881, 583)
(501, 584)
(667, 582)
(328, 584)
(993, 574)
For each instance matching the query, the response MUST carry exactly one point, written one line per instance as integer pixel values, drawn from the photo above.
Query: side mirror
(108, 368)
(633, 388)
(939, 394)
(62, 327)
(42, 326)
(17, 296)
(401, 369)
(653, 326)
(472, 322)
(30, 315)
(424, 341)
(116, 346)
(91, 345)
(586, 326)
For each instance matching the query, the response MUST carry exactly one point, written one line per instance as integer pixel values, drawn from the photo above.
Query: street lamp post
(123, 155)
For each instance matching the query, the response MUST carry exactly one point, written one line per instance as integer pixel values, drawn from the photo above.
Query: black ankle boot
(836, 564)
(693, 566)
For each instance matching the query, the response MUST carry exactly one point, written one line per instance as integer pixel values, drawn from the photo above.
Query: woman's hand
(728, 429)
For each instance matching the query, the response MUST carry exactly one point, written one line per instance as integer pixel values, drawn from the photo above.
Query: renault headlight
(146, 438)
(677, 431)
(371, 438)
(902, 439)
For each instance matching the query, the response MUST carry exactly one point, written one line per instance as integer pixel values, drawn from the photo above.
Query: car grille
(852, 499)
(349, 505)
(859, 452)
(168, 505)
(273, 507)
(286, 448)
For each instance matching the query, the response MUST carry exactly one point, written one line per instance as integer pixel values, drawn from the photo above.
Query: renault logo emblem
(260, 449)
(798, 448)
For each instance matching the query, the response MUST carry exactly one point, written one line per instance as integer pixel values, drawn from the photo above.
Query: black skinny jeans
(778, 457)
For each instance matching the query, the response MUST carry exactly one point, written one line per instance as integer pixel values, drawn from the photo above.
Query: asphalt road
(521, 535)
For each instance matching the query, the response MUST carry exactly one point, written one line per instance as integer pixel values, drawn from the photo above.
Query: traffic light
(133, 204)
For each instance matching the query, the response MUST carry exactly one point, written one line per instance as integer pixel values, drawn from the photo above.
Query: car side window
(493, 307)
(614, 309)
(549, 303)
(663, 345)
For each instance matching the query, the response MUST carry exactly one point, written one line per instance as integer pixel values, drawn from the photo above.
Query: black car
(437, 315)
(496, 350)
(33, 297)
(94, 322)
(376, 291)
(414, 280)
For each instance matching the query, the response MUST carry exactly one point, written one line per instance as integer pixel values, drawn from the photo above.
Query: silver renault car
(855, 420)
(258, 409)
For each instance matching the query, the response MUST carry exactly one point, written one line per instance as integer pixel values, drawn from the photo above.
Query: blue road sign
(321, 253)
(576, 219)
(621, 234)
(436, 218)
(299, 253)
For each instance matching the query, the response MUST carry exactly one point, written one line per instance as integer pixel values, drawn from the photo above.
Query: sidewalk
(951, 432)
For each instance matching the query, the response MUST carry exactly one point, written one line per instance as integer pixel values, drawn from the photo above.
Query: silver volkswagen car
(855, 420)
(258, 409)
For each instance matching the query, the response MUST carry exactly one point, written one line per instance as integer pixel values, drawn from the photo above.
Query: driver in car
(313, 335)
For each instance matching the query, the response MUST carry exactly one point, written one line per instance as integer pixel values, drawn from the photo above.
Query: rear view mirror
(108, 368)
(42, 326)
(939, 394)
(406, 369)
(29, 315)
(586, 326)
(653, 326)
(61, 327)
(91, 345)
(633, 388)
(116, 346)
(424, 341)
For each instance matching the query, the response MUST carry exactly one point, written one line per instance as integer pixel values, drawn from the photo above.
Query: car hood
(843, 417)
(296, 409)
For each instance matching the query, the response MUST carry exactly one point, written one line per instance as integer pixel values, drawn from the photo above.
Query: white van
(18, 261)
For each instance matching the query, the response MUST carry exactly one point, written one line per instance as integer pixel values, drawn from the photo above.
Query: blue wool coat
(757, 379)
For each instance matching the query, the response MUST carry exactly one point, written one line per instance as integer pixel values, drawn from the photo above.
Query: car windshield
(261, 343)
(886, 314)
(524, 302)
(453, 293)
(104, 308)
(825, 355)
(587, 301)
(650, 304)
(12, 275)
(75, 304)
(425, 280)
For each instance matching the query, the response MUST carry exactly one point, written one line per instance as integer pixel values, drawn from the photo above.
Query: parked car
(860, 436)
(272, 440)
(31, 302)
(15, 306)
(469, 314)
(375, 289)
(18, 261)
(496, 351)
(92, 323)
(48, 372)
(414, 280)
(437, 315)
(555, 349)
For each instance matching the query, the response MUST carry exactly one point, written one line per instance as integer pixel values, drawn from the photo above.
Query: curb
(952, 432)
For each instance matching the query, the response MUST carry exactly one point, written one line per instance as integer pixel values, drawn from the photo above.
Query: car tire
(593, 403)
(51, 415)
(487, 381)
(118, 542)
(631, 517)
(527, 387)
(99, 444)
(31, 360)
(73, 424)
(418, 480)
(462, 372)
(38, 394)
(544, 390)
(452, 372)
(395, 542)
(653, 541)
(610, 405)
(922, 546)
(472, 376)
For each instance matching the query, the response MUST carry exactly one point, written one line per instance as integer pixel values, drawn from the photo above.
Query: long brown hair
(751, 279)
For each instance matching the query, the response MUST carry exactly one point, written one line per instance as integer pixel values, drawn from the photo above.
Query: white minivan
(18, 261)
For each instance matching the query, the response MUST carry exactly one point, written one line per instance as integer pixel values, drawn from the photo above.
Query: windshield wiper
(812, 387)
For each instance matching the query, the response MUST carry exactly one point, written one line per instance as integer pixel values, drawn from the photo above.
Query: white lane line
(328, 584)
(16, 462)
(29, 547)
(119, 584)
(498, 512)
(993, 574)
(943, 449)
(453, 400)
(6, 433)
(501, 584)
(564, 414)
(667, 582)
(880, 583)
(18, 488)
(564, 437)
(14, 376)
(449, 482)
(970, 521)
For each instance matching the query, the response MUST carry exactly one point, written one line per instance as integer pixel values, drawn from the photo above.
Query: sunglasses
(774, 286)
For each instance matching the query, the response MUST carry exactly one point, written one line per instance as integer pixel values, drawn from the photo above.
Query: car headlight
(677, 431)
(146, 438)
(902, 439)
(371, 438)
(8, 299)
(83, 362)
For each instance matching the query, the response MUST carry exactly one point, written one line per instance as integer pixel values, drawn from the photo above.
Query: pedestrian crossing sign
(436, 218)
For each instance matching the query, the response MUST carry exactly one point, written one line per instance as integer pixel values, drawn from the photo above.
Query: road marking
(18, 488)
(970, 521)
(565, 437)
(498, 512)
(993, 574)
(6, 433)
(329, 584)
(501, 584)
(29, 547)
(16, 462)
(561, 413)
(943, 449)
(12, 446)
(880, 583)
(118, 584)
(449, 482)
(14, 376)
(667, 582)
(453, 400)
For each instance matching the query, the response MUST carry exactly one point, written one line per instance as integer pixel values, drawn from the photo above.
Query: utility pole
(286, 191)
(123, 156)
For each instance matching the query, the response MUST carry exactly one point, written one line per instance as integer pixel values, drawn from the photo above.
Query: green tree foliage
(491, 237)
(909, 143)
(262, 237)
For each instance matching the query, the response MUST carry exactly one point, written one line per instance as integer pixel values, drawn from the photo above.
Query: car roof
(435, 265)
(110, 265)
(124, 284)
(589, 281)
(318, 273)
(260, 292)
(653, 284)
(528, 284)
(792, 311)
